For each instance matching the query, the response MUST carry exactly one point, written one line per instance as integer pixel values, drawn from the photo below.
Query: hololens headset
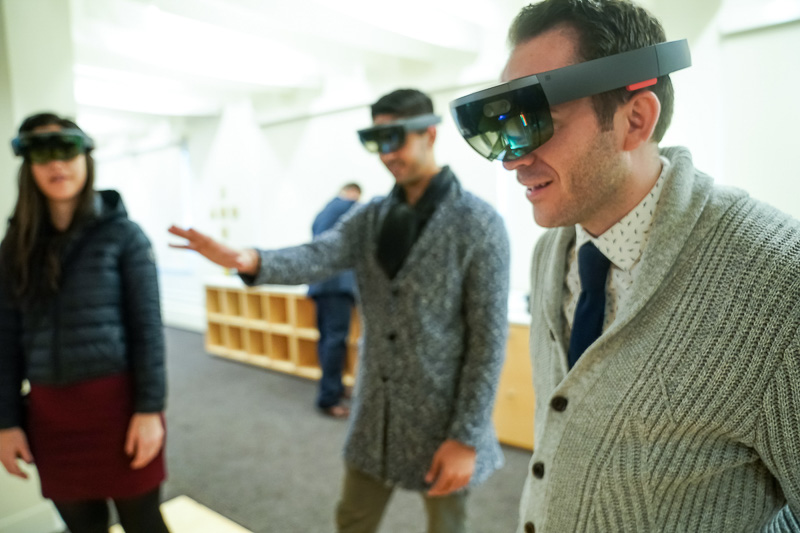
(386, 138)
(44, 147)
(511, 120)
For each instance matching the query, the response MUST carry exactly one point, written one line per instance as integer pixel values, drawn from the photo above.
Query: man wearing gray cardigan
(681, 412)
(432, 266)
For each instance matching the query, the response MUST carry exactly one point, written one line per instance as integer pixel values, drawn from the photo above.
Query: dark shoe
(336, 411)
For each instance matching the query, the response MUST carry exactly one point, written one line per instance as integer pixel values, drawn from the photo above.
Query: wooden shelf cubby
(275, 327)
(233, 303)
(278, 308)
(254, 307)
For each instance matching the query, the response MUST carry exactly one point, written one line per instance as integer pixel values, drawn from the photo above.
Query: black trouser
(136, 515)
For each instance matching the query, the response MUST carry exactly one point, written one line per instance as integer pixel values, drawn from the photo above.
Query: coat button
(392, 337)
(559, 404)
(538, 470)
(529, 527)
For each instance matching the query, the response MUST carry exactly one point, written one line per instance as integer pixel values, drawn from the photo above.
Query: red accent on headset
(641, 85)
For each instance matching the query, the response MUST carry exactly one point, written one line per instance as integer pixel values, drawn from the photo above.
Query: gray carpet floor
(249, 444)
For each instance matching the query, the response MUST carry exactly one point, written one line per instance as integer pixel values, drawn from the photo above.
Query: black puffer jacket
(104, 320)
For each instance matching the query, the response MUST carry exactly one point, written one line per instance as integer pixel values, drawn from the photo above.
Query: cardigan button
(538, 470)
(392, 336)
(559, 404)
(530, 528)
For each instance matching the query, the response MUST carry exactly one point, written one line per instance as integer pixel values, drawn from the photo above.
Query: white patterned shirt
(623, 244)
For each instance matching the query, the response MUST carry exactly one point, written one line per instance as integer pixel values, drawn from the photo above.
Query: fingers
(447, 483)
(440, 488)
(451, 469)
(14, 446)
(175, 230)
(180, 232)
(145, 453)
(195, 238)
(435, 469)
(14, 469)
(188, 234)
(444, 479)
(130, 440)
(25, 453)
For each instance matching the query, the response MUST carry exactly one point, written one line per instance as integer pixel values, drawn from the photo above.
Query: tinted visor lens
(53, 147)
(506, 126)
(383, 139)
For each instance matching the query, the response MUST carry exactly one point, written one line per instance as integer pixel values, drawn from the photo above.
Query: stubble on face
(592, 187)
(405, 163)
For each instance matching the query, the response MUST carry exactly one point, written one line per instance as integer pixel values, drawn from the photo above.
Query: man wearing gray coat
(432, 266)
(665, 333)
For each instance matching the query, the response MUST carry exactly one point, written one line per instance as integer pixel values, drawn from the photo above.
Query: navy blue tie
(589, 313)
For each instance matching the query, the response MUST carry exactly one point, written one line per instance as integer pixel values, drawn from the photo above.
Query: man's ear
(431, 135)
(638, 117)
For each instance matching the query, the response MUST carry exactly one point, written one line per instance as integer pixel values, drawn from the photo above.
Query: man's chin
(544, 220)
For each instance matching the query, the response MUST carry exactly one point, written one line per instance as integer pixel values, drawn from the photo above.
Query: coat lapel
(554, 290)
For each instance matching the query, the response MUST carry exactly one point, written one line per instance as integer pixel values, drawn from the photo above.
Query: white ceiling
(188, 57)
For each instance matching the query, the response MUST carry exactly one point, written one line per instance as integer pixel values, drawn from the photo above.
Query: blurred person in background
(431, 262)
(334, 299)
(80, 321)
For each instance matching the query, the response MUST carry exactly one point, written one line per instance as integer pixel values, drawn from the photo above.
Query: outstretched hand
(245, 261)
(14, 446)
(452, 468)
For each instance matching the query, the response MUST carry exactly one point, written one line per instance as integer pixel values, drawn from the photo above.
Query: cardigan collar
(685, 194)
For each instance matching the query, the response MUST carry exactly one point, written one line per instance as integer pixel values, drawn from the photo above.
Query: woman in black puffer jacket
(80, 322)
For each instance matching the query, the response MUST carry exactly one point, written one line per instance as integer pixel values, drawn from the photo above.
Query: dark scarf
(404, 223)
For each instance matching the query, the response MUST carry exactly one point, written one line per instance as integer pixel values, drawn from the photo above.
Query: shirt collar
(624, 242)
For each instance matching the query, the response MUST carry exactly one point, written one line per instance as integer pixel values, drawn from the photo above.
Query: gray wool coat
(433, 339)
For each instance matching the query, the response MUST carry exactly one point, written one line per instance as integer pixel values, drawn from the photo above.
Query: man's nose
(527, 159)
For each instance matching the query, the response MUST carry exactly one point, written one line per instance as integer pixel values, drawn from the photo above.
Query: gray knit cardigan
(433, 338)
(684, 416)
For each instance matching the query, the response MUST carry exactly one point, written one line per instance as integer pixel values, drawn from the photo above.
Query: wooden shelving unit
(274, 327)
(270, 327)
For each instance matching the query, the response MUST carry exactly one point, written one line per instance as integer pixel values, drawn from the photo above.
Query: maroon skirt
(77, 437)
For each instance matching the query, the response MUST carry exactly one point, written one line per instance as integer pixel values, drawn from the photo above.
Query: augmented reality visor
(52, 145)
(511, 120)
(386, 138)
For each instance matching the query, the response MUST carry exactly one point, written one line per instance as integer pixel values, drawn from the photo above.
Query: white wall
(25, 84)
(762, 120)
(8, 186)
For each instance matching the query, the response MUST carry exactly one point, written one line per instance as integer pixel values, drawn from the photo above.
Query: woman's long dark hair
(30, 255)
